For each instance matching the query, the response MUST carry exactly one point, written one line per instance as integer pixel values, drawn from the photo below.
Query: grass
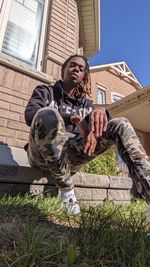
(34, 232)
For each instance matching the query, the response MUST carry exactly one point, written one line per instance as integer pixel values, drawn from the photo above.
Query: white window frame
(101, 88)
(116, 94)
(4, 15)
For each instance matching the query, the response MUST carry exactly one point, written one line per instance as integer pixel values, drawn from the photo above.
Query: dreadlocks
(84, 88)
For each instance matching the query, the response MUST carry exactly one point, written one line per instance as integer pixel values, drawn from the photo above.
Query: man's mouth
(74, 75)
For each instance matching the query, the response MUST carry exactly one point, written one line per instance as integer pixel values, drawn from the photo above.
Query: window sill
(13, 64)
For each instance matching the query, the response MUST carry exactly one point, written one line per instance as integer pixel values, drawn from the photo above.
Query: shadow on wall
(16, 178)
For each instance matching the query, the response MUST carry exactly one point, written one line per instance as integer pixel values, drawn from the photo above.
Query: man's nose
(76, 68)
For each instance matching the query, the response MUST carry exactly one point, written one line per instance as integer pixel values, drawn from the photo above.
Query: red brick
(2, 74)
(21, 118)
(17, 125)
(20, 95)
(25, 85)
(22, 135)
(25, 102)
(9, 78)
(9, 114)
(3, 122)
(7, 132)
(49, 67)
(55, 70)
(2, 140)
(33, 85)
(17, 108)
(15, 142)
(18, 82)
(4, 105)
(6, 90)
(11, 99)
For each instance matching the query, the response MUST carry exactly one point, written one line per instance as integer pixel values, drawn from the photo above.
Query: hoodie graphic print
(55, 96)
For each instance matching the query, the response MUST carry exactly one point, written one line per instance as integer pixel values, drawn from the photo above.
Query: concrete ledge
(17, 177)
(13, 156)
(119, 195)
(120, 182)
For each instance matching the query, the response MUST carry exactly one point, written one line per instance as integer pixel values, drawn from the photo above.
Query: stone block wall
(16, 176)
(92, 189)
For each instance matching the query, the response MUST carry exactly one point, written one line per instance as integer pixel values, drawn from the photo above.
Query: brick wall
(111, 82)
(17, 81)
(15, 89)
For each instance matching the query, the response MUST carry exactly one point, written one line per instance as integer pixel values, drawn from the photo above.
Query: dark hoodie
(55, 96)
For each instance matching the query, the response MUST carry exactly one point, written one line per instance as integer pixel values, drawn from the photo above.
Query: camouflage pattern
(60, 153)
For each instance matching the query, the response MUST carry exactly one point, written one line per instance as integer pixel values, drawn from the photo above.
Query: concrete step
(17, 177)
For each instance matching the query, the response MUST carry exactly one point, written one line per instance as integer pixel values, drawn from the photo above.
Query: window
(23, 29)
(101, 97)
(115, 97)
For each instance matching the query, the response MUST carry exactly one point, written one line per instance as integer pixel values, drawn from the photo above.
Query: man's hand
(98, 121)
(88, 136)
(90, 143)
(81, 125)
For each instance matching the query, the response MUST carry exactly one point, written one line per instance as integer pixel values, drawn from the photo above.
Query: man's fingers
(105, 123)
(86, 146)
(96, 124)
(101, 121)
(90, 146)
(91, 122)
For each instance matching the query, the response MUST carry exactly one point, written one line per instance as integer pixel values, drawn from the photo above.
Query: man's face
(75, 71)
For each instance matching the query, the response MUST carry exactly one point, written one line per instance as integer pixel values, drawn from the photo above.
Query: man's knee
(45, 121)
(47, 115)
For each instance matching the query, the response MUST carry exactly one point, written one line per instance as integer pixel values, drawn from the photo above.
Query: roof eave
(135, 107)
(89, 13)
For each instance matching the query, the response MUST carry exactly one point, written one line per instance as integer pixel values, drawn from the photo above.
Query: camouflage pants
(52, 149)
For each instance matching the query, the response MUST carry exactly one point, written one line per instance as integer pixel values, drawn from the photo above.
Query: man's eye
(82, 69)
(71, 65)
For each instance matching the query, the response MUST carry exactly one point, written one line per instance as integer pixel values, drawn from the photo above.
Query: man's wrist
(76, 119)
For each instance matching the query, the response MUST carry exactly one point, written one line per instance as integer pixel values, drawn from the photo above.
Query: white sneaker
(148, 214)
(69, 202)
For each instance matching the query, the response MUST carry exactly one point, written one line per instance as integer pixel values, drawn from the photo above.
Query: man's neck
(69, 88)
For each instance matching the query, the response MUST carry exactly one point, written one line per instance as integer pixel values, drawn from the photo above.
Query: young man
(67, 132)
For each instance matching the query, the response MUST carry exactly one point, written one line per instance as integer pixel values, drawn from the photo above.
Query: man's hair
(84, 88)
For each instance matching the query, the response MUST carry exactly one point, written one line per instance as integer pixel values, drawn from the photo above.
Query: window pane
(116, 98)
(23, 30)
(101, 97)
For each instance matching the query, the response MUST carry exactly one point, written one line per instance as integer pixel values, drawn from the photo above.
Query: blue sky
(125, 36)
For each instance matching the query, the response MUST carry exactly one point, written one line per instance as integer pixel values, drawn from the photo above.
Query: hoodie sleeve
(38, 100)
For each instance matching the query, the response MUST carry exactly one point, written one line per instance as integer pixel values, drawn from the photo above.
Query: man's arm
(38, 100)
